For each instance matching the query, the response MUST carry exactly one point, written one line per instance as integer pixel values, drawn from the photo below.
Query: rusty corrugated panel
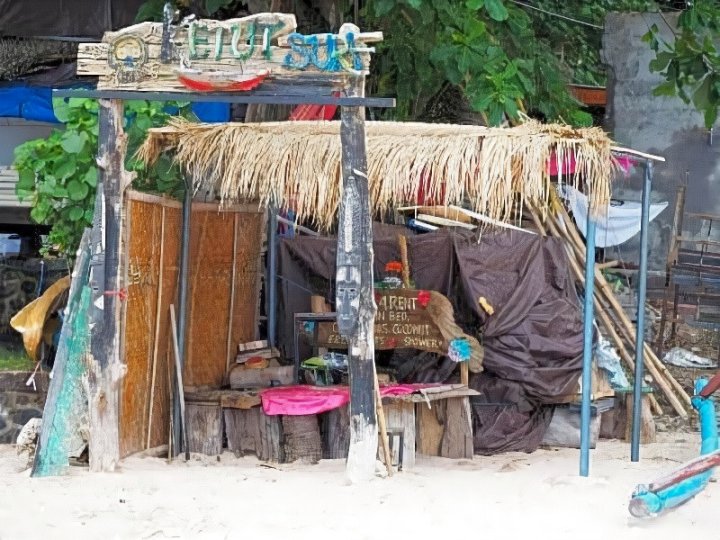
(589, 95)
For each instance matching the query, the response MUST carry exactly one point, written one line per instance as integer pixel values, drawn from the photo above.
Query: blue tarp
(30, 103)
(35, 103)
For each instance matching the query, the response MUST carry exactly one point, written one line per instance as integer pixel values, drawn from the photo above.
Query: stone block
(23, 416)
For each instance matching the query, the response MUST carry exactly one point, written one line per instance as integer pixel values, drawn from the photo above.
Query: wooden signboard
(410, 319)
(237, 54)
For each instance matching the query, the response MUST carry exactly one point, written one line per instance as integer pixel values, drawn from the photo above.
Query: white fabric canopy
(619, 223)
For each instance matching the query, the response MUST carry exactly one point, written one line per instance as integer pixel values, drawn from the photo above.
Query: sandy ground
(513, 496)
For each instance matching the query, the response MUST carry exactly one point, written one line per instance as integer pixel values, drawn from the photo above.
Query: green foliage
(486, 47)
(14, 359)
(59, 174)
(504, 55)
(152, 10)
(690, 62)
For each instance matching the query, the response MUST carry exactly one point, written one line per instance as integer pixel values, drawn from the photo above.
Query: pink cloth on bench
(301, 399)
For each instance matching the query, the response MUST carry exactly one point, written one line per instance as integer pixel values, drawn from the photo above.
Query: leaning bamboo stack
(615, 323)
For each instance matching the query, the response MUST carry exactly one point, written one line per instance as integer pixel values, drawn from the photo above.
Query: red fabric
(569, 165)
(298, 400)
(422, 198)
(314, 112)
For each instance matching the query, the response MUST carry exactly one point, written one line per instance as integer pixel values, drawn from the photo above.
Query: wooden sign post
(232, 55)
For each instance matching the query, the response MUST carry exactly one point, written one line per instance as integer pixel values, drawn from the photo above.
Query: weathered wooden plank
(301, 438)
(401, 417)
(241, 377)
(251, 431)
(437, 393)
(227, 399)
(204, 429)
(138, 57)
(457, 441)
(105, 370)
(445, 429)
(336, 433)
(429, 430)
(354, 289)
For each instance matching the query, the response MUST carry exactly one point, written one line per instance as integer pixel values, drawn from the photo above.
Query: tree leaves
(690, 65)
(496, 9)
(90, 177)
(76, 213)
(73, 142)
(213, 6)
(77, 191)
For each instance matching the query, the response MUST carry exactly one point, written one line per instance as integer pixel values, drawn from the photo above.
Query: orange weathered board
(146, 237)
(153, 226)
(211, 274)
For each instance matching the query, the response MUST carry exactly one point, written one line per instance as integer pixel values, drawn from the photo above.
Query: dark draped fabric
(533, 342)
(65, 18)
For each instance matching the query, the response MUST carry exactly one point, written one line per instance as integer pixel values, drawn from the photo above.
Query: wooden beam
(355, 301)
(105, 369)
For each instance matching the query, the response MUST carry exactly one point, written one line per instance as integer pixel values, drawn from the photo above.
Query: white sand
(514, 496)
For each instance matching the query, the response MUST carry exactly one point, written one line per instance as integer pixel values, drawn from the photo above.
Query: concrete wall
(19, 403)
(659, 125)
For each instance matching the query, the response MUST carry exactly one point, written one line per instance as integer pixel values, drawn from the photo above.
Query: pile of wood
(258, 367)
(611, 316)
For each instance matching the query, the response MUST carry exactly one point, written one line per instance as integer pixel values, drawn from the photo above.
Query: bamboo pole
(231, 308)
(382, 424)
(655, 367)
(158, 310)
(402, 242)
(601, 311)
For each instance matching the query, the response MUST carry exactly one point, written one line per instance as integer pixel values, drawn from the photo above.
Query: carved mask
(348, 300)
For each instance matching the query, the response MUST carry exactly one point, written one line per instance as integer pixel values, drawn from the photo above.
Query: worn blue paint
(642, 295)
(646, 503)
(587, 346)
(337, 57)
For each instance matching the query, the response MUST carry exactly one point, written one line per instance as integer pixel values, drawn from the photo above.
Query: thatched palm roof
(491, 169)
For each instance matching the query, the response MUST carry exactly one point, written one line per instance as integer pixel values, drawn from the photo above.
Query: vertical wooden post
(355, 295)
(105, 369)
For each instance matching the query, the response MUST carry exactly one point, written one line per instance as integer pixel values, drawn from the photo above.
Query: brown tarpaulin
(533, 341)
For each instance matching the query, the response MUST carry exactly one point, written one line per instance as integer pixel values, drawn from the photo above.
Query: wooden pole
(354, 289)
(600, 309)
(402, 243)
(178, 376)
(156, 338)
(105, 370)
(670, 387)
(655, 367)
(387, 457)
(675, 233)
(228, 344)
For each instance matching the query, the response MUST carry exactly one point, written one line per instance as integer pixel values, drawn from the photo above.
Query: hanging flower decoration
(394, 267)
(459, 350)
(423, 298)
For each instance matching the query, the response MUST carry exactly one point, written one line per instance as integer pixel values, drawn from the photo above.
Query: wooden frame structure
(138, 63)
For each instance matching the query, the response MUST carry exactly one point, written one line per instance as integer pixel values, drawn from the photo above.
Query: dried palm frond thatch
(23, 56)
(492, 169)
